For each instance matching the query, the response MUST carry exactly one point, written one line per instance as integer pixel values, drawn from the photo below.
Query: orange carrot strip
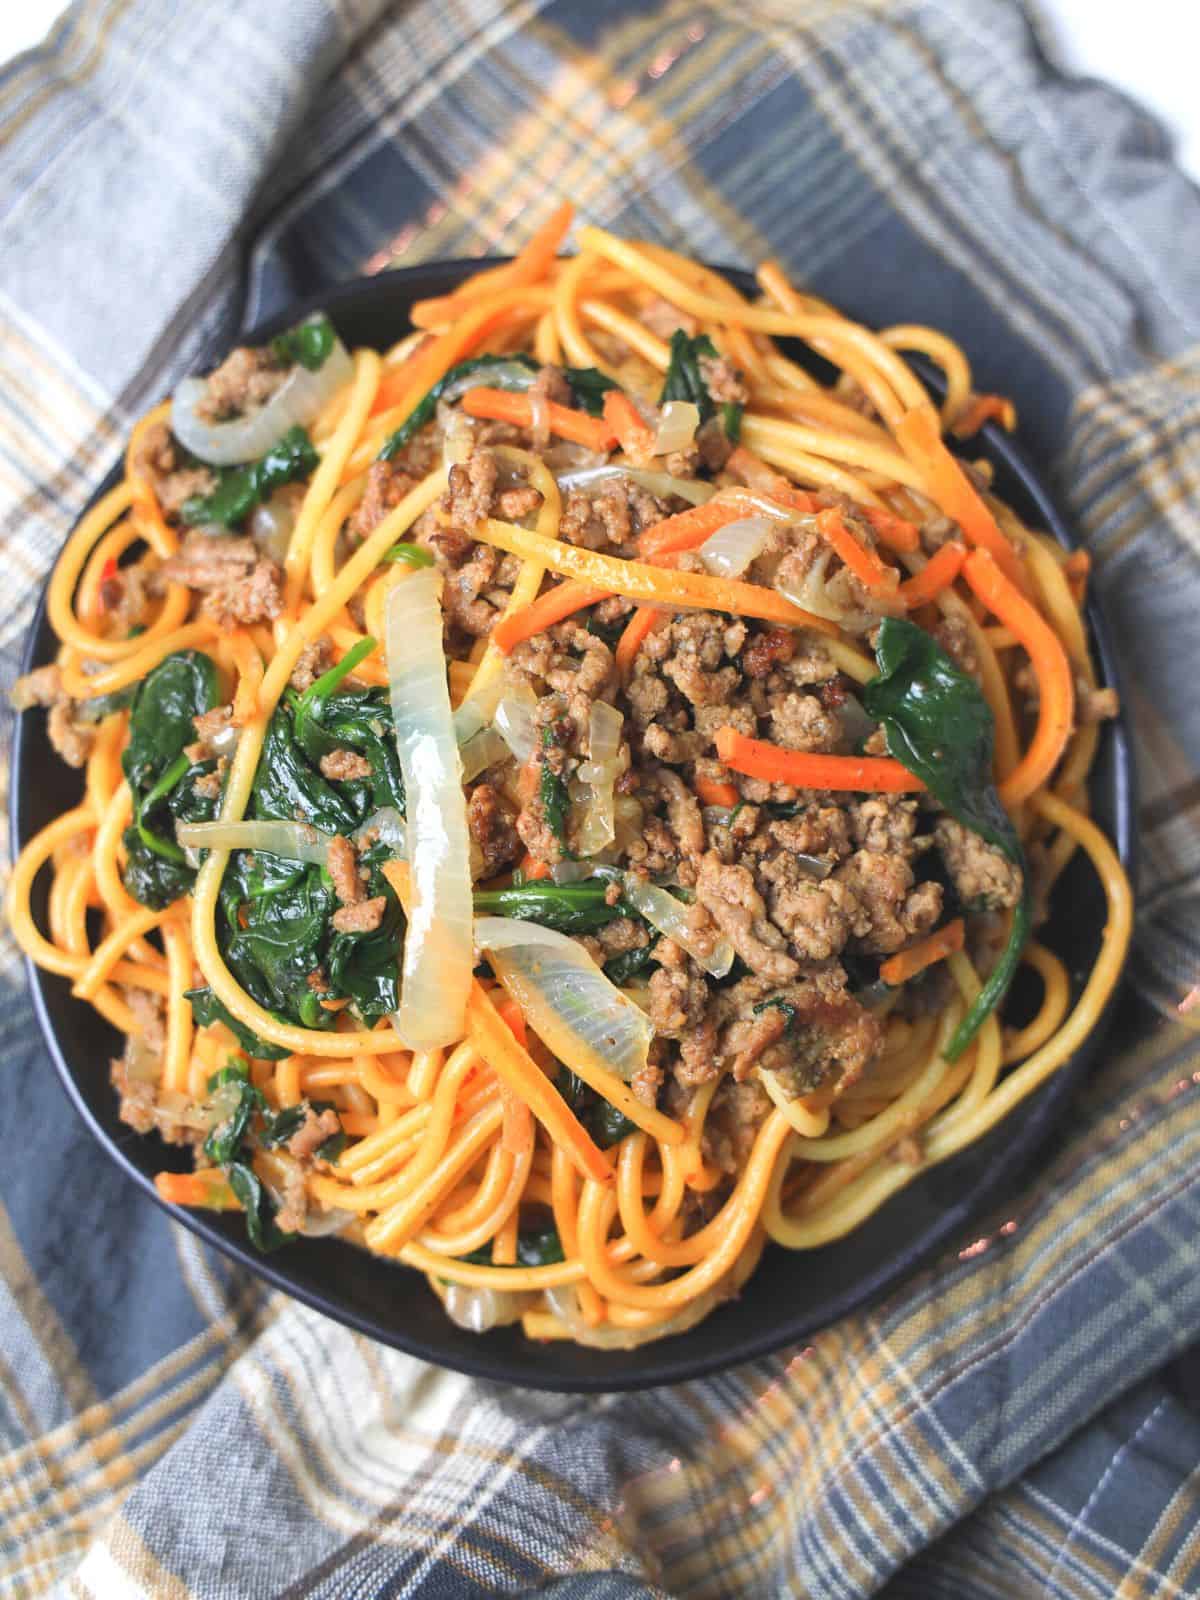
(528, 266)
(627, 422)
(517, 1128)
(712, 792)
(980, 409)
(919, 435)
(1056, 687)
(687, 530)
(207, 1188)
(938, 573)
(533, 869)
(936, 946)
(863, 563)
(891, 530)
(637, 630)
(562, 601)
(514, 1066)
(497, 405)
(803, 769)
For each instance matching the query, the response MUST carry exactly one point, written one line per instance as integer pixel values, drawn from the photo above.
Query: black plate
(791, 1296)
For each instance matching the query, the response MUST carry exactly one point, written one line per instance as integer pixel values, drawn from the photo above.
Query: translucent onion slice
(731, 549)
(438, 954)
(597, 827)
(662, 484)
(566, 999)
(482, 751)
(563, 1301)
(515, 724)
(299, 399)
(458, 436)
(677, 430)
(292, 841)
(389, 828)
(662, 911)
(478, 1310)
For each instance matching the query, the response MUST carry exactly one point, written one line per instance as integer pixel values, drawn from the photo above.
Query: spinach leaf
(567, 907)
(603, 1121)
(284, 940)
(412, 555)
(629, 965)
(497, 372)
(149, 877)
(286, 786)
(588, 387)
(186, 803)
(685, 381)
(311, 705)
(325, 720)
(240, 489)
(181, 687)
(537, 1248)
(280, 1126)
(225, 1140)
(556, 803)
(207, 1009)
(265, 1233)
(105, 704)
(366, 966)
(939, 726)
(308, 343)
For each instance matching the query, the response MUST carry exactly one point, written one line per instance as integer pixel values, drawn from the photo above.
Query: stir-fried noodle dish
(564, 799)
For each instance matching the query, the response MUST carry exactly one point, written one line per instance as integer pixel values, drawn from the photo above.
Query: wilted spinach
(685, 381)
(307, 344)
(240, 489)
(603, 1121)
(539, 1247)
(940, 727)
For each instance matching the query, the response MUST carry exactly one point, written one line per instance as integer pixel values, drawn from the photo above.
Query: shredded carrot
(530, 265)
(497, 405)
(919, 435)
(514, 1018)
(804, 769)
(1056, 687)
(633, 434)
(891, 530)
(687, 530)
(938, 573)
(533, 869)
(514, 1066)
(982, 408)
(637, 630)
(712, 792)
(862, 562)
(207, 1188)
(561, 601)
(1078, 569)
(517, 1128)
(936, 946)
(636, 580)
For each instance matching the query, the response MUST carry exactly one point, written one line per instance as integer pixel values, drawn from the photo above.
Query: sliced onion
(482, 751)
(320, 1224)
(571, 871)
(578, 1014)
(598, 825)
(292, 841)
(662, 911)
(818, 593)
(515, 724)
(225, 741)
(271, 525)
(458, 436)
(563, 1300)
(438, 953)
(299, 399)
(660, 483)
(512, 375)
(388, 827)
(677, 430)
(717, 816)
(142, 1063)
(478, 1310)
(731, 549)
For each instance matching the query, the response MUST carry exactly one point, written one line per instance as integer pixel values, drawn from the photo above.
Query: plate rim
(1040, 1113)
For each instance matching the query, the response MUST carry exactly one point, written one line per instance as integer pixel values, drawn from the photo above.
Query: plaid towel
(170, 1429)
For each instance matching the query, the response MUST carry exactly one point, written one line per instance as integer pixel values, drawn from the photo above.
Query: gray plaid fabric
(998, 1427)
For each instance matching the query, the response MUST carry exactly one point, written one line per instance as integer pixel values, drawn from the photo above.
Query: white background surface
(1146, 48)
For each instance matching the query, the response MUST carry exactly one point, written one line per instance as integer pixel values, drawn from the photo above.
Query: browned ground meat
(173, 483)
(387, 485)
(471, 487)
(245, 379)
(729, 895)
(892, 910)
(723, 381)
(982, 877)
(239, 585)
(343, 869)
(312, 661)
(344, 766)
(492, 828)
(71, 740)
(362, 917)
(954, 636)
(209, 725)
(1095, 705)
(313, 1132)
(734, 1118)
(513, 504)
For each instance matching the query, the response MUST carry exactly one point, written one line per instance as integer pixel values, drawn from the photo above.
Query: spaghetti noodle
(765, 734)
